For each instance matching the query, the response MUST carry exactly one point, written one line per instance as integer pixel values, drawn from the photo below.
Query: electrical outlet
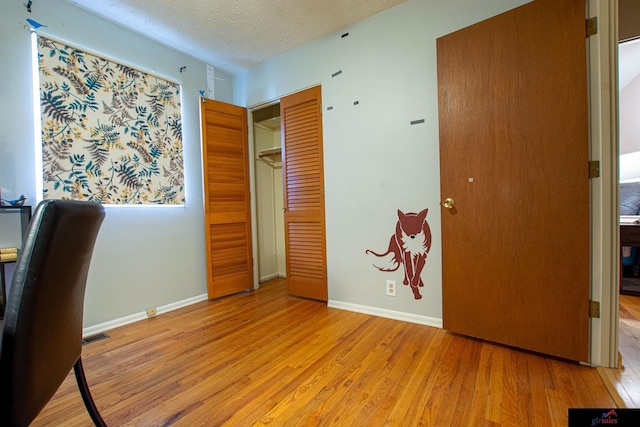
(151, 312)
(391, 288)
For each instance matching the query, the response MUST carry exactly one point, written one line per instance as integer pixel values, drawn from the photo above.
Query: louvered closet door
(225, 152)
(303, 176)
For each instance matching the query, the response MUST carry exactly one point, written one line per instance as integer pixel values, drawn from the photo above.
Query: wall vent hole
(94, 338)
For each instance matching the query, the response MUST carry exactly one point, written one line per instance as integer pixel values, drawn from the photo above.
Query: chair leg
(86, 394)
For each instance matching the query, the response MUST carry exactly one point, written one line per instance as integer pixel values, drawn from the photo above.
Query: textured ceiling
(235, 34)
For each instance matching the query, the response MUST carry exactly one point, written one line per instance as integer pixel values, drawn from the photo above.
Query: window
(110, 133)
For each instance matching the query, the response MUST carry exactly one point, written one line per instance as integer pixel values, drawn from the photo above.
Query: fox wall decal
(408, 246)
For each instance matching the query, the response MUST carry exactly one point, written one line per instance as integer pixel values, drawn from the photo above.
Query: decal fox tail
(390, 260)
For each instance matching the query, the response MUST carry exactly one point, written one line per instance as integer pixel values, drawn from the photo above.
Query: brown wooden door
(514, 153)
(303, 180)
(225, 154)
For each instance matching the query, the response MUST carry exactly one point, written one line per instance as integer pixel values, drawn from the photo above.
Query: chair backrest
(42, 332)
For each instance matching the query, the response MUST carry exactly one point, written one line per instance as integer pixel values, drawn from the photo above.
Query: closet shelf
(271, 156)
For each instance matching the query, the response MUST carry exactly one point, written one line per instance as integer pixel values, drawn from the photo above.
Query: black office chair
(42, 330)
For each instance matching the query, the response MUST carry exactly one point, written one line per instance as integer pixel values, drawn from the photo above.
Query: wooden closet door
(225, 154)
(303, 177)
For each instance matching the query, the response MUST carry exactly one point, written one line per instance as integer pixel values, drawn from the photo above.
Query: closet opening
(267, 144)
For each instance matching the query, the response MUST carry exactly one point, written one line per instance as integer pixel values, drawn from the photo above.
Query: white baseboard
(136, 317)
(374, 311)
(268, 277)
(389, 314)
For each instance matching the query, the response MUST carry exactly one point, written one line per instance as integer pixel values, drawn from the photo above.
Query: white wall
(375, 161)
(629, 122)
(144, 257)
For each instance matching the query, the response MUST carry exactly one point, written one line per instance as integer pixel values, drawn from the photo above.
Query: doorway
(629, 169)
(629, 146)
(267, 147)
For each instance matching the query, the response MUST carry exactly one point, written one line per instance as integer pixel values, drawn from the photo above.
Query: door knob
(448, 203)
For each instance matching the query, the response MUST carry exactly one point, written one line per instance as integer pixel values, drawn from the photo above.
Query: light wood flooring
(624, 383)
(264, 358)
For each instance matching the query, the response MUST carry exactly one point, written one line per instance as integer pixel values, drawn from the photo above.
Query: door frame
(605, 253)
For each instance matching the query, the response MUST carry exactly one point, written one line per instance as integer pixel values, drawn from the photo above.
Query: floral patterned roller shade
(110, 133)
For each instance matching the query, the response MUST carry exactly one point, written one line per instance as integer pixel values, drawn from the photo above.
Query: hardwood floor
(624, 383)
(264, 358)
